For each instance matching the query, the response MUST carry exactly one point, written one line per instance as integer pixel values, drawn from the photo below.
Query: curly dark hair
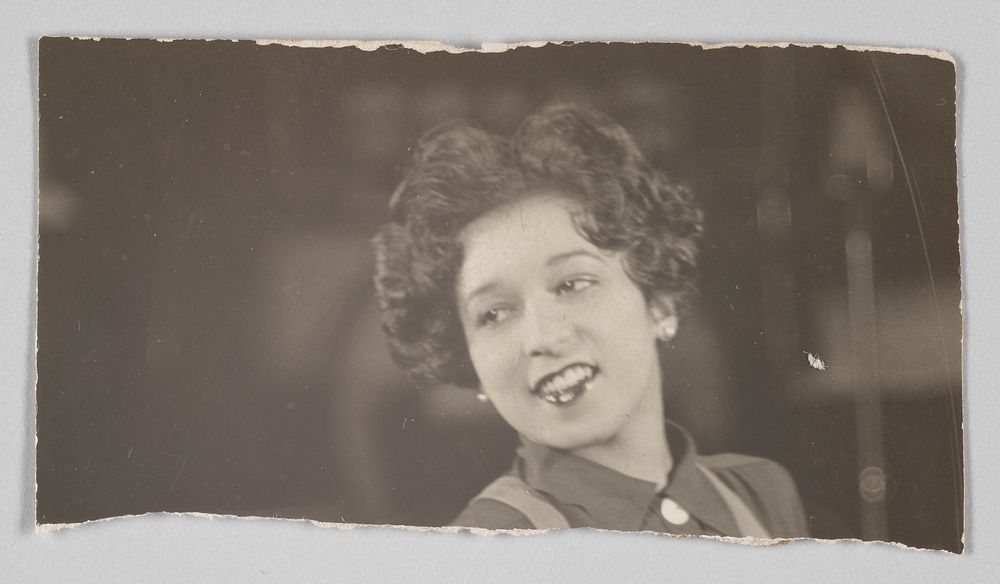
(459, 172)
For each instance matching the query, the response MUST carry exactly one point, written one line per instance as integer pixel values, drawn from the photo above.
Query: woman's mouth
(565, 385)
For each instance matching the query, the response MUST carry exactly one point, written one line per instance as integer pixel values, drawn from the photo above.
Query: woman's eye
(493, 316)
(574, 285)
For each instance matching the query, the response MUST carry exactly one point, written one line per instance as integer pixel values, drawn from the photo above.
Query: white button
(673, 512)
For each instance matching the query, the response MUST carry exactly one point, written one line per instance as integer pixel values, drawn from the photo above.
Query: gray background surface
(183, 548)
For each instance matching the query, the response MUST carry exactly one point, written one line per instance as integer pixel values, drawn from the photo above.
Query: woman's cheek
(504, 360)
(487, 356)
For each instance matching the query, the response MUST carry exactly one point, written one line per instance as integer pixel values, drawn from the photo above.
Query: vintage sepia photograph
(636, 287)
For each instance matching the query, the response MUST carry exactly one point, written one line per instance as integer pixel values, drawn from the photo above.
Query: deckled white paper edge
(427, 46)
(750, 541)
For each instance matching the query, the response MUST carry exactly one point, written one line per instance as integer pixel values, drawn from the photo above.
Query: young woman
(544, 270)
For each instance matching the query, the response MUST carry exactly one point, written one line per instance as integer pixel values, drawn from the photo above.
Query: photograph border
(231, 550)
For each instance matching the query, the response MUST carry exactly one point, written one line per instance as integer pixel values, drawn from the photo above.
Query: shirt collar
(616, 501)
(692, 489)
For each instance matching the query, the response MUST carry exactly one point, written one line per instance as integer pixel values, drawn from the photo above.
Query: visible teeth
(567, 386)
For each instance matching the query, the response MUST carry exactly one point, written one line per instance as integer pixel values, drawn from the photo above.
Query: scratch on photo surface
(180, 471)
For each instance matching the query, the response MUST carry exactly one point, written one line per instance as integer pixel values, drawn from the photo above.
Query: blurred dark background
(209, 340)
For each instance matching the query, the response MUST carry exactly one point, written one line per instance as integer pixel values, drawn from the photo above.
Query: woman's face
(563, 341)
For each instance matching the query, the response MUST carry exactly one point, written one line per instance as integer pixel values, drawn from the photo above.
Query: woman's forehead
(521, 236)
(526, 225)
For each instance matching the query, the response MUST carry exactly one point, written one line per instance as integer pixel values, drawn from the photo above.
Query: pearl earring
(482, 397)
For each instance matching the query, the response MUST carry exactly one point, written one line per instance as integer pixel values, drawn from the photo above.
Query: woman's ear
(663, 311)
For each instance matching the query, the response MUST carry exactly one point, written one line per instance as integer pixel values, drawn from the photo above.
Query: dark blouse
(592, 495)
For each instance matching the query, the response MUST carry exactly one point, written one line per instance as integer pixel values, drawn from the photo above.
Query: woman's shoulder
(487, 513)
(753, 467)
(510, 503)
(766, 486)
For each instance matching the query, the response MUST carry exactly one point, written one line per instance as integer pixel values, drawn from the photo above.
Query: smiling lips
(565, 385)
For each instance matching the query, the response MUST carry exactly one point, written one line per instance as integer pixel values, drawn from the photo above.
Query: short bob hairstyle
(459, 172)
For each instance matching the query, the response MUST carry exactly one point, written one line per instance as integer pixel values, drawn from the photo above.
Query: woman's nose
(546, 331)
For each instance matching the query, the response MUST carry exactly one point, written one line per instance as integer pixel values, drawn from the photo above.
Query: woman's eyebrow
(484, 289)
(565, 256)
(491, 286)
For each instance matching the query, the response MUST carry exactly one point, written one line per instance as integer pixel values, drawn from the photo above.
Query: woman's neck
(640, 450)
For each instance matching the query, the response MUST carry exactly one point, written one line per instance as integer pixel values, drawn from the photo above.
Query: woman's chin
(572, 440)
